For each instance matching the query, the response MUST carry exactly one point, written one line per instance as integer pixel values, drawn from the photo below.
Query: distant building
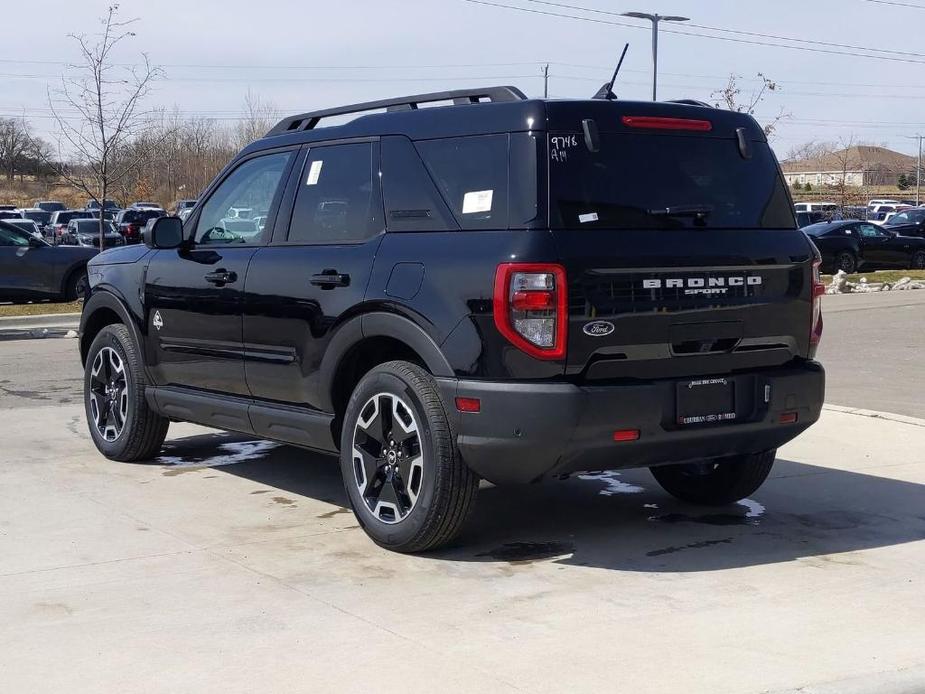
(861, 165)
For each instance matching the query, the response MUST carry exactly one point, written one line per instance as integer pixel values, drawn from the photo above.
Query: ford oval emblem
(598, 328)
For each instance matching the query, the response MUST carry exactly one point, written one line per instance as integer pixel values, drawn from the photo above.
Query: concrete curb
(40, 326)
(43, 320)
(889, 416)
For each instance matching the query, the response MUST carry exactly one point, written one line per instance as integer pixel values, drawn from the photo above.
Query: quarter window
(237, 212)
(472, 175)
(335, 199)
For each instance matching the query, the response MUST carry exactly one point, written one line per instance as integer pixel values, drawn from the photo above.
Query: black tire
(143, 430)
(847, 262)
(77, 285)
(918, 260)
(442, 485)
(718, 482)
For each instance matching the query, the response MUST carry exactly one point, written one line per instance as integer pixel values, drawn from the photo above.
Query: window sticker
(589, 217)
(314, 173)
(477, 201)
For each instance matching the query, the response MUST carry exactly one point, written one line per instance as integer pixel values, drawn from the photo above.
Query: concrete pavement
(232, 565)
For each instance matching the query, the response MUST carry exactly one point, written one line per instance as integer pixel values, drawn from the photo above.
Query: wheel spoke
(366, 469)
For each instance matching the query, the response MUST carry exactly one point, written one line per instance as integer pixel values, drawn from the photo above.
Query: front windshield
(908, 217)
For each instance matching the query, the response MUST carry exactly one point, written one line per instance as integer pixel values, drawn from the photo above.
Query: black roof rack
(307, 121)
(690, 102)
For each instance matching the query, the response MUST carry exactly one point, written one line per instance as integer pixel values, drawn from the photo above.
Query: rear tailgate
(679, 242)
(661, 304)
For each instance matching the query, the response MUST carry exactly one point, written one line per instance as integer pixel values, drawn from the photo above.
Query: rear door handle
(330, 279)
(221, 277)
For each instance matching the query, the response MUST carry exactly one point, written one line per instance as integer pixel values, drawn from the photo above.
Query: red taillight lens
(789, 418)
(815, 331)
(531, 309)
(661, 123)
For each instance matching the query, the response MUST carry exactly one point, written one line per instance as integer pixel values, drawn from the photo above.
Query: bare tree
(734, 98)
(107, 99)
(259, 117)
(813, 149)
(16, 146)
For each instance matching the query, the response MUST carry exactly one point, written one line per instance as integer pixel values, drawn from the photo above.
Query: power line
(896, 4)
(750, 42)
(740, 32)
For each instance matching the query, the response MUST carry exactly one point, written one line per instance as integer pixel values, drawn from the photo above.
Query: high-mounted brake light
(663, 123)
(531, 307)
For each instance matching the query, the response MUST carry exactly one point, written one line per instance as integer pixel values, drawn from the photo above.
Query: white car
(815, 207)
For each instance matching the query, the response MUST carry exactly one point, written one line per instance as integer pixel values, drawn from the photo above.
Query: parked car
(181, 205)
(854, 246)
(11, 214)
(909, 222)
(31, 269)
(8, 208)
(49, 205)
(107, 205)
(553, 309)
(37, 215)
(829, 207)
(880, 212)
(59, 222)
(86, 232)
(184, 214)
(131, 221)
(26, 225)
(883, 201)
(142, 205)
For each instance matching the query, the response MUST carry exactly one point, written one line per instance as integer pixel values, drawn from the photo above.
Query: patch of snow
(755, 510)
(234, 453)
(613, 485)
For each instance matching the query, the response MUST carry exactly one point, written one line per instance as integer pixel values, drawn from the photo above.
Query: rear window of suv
(634, 180)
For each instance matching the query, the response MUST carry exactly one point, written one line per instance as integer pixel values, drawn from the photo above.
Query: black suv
(501, 288)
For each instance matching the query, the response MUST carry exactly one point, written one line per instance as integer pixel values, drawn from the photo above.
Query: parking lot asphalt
(234, 565)
(873, 350)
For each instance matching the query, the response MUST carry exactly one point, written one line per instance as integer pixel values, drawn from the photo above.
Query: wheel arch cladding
(360, 345)
(104, 309)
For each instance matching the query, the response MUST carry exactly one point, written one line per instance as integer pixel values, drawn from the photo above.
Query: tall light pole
(655, 19)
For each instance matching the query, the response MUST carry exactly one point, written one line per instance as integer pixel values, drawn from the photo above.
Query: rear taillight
(531, 307)
(815, 330)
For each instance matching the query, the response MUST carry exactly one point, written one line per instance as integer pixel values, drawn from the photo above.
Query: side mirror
(36, 243)
(165, 233)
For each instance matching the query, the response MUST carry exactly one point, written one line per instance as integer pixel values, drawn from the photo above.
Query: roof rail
(690, 102)
(307, 121)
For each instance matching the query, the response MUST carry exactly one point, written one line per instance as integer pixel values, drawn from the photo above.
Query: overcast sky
(310, 54)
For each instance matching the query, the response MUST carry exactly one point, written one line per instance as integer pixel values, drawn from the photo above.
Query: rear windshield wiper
(699, 211)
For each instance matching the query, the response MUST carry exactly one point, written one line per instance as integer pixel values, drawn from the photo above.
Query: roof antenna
(606, 90)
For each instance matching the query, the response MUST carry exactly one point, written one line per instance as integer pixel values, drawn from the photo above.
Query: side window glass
(13, 237)
(472, 175)
(236, 212)
(868, 231)
(335, 199)
(412, 202)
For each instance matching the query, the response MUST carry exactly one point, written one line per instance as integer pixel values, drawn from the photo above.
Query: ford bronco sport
(495, 287)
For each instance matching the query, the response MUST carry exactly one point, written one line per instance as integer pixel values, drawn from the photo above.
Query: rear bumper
(526, 431)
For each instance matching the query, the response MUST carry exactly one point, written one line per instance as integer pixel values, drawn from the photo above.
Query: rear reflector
(626, 435)
(661, 123)
(468, 404)
(789, 418)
